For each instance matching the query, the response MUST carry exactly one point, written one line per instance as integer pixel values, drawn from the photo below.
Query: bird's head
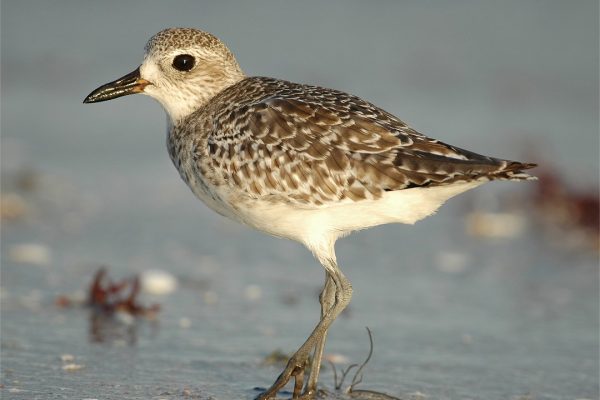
(183, 69)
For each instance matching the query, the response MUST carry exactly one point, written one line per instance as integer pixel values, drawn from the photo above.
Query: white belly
(310, 225)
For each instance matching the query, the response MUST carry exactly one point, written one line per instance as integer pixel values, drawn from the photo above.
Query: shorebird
(296, 161)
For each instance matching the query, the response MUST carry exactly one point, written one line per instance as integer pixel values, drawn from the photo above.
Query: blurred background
(495, 297)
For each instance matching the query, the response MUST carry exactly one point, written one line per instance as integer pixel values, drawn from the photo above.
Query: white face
(183, 69)
(184, 79)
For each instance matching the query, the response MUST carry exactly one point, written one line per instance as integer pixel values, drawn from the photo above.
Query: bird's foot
(296, 368)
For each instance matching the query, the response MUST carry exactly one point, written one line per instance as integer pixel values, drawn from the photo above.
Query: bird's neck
(189, 103)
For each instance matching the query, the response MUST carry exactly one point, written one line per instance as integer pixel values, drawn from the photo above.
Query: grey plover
(301, 162)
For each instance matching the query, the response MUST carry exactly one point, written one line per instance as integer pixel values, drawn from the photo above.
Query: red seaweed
(109, 297)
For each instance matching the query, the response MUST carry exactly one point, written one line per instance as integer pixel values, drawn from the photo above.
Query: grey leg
(297, 363)
(327, 299)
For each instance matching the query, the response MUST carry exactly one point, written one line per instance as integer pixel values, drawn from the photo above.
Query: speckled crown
(175, 38)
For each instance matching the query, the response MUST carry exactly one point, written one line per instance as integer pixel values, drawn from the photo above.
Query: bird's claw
(296, 368)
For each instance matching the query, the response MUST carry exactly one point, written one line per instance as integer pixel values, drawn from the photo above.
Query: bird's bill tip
(129, 84)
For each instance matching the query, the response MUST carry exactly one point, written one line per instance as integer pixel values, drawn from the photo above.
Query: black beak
(128, 84)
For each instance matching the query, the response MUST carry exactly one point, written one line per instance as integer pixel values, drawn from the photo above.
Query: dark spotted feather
(313, 146)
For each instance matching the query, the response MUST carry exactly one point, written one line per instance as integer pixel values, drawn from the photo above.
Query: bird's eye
(183, 62)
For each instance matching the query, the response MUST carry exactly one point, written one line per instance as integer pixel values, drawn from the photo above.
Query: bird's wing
(320, 148)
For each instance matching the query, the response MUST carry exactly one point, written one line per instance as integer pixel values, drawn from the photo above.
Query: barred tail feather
(513, 171)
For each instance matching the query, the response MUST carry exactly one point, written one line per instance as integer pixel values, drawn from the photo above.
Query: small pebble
(210, 297)
(72, 367)
(12, 206)
(124, 317)
(336, 358)
(452, 262)
(253, 292)
(30, 253)
(185, 323)
(158, 282)
(495, 225)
